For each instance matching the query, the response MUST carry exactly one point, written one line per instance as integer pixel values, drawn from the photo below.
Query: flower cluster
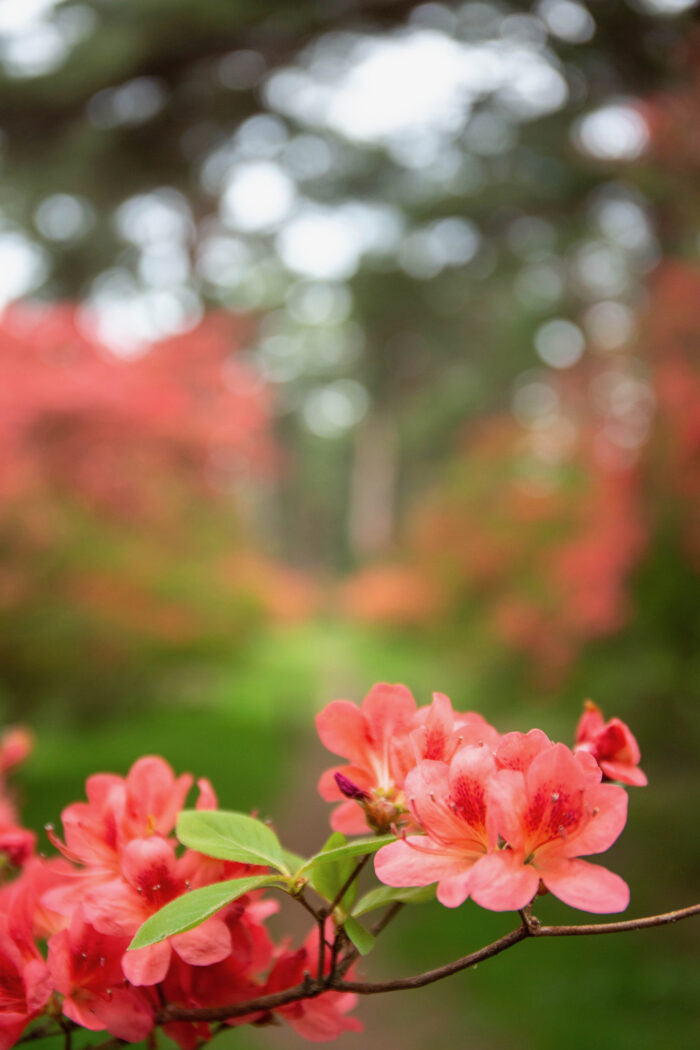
(127, 929)
(495, 818)
(120, 864)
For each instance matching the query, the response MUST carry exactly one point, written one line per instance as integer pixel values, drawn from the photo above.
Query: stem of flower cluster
(354, 874)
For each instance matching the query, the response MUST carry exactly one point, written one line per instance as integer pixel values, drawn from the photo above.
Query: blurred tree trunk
(372, 517)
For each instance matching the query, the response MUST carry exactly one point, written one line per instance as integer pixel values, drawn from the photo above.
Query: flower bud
(349, 789)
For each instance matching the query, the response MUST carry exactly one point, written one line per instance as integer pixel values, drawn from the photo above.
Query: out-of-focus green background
(348, 341)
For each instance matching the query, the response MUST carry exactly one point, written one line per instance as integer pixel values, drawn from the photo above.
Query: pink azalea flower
(450, 804)
(86, 969)
(91, 840)
(39, 876)
(17, 844)
(442, 732)
(612, 745)
(375, 740)
(153, 798)
(16, 744)
(548, 814)
(517, 750)
(384, 739)
(25, 984)
(118, 810)
(150, 878)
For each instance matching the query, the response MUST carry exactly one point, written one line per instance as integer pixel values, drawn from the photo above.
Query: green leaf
(360, 937)
(190, 910)
(382, 895)
(328, 879)
(356, 848)
(231, 836)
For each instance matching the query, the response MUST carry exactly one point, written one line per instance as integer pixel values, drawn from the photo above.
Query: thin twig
(348, 882)
(339, 940)
(67, 1033)
(321, 962)
(320, 915)
(530, 921)
(308, 989)
(430, 976)
(43, 1032)
(353, 954)
(526, 930)
(647, 923)
(305, 904)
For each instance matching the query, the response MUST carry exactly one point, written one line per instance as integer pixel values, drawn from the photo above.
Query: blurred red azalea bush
(535, 533)
(118, 480)
(111, 431)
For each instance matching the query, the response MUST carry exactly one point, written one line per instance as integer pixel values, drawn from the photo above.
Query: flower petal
(471, 770)
(341, 728)
(586, 886)
(149, 862)
(427, 790)
(453, 891)
(433, 738)
(507, 803)
(205, 944)
(517, 750)
(153, 796)
(413, 862)
(349, 818)
(388, 711)
(502, 882)
(608, 815)
(624, 773)
(114, 908)
(125, 1014)
(147, 965)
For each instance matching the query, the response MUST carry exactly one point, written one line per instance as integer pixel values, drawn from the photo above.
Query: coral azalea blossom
(499, 824)
(612, 745)
(85, 968)
(449, 803)
(384, 739)
(151, 879)
(375, 739)
(549, 814)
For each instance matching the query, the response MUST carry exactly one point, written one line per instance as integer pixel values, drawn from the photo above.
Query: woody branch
(335, 982)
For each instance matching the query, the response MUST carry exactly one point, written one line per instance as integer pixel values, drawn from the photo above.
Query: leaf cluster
(332, 873)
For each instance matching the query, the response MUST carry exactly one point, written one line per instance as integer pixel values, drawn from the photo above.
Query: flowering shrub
(143, 931)
(121, 532)
(535, 537)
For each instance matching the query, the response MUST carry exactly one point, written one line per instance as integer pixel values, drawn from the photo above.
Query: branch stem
(310, 988)
(348, 882)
